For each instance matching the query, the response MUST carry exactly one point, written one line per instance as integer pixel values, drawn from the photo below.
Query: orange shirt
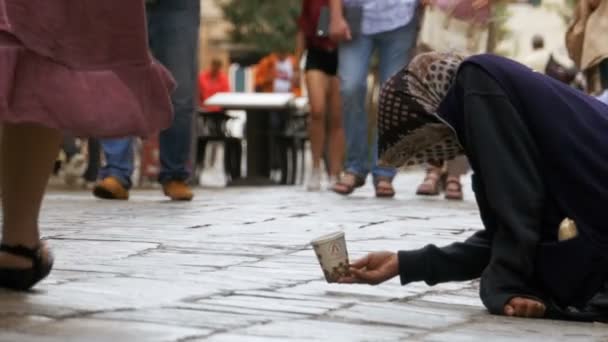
(209, 86)
(266, 73)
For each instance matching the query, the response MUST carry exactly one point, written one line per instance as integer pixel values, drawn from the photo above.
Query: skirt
(113, 101)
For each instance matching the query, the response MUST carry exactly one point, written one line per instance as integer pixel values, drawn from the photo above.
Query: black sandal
(23, 279)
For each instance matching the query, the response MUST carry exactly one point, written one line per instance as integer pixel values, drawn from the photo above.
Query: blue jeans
(394, 48)
(173, 27)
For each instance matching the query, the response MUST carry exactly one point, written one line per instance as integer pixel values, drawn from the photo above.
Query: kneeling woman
(539, 152)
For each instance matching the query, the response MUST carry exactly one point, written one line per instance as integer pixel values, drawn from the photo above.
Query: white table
(252, 101)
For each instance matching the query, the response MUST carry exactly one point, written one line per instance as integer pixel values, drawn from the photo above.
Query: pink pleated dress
(81, 66)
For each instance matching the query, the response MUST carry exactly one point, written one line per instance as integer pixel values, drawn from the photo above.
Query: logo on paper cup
(335, 249)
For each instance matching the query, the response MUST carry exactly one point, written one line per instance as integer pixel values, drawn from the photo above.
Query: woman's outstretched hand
(375, 268)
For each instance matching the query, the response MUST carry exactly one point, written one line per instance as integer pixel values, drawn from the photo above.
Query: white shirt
(537, 60)
(282, 83)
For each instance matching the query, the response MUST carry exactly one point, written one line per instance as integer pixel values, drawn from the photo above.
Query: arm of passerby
(338, 27)
(476, 4)
(264, 76)
(593, 4)
(456, 262)
(479, 4)
(225, 84)
(202, 95)
(300, 47)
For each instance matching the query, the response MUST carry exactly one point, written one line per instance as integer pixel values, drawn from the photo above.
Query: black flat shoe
(23, 279)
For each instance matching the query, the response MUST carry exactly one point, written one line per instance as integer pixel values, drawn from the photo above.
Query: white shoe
(275, 175)
(213, 174)
(314, 182)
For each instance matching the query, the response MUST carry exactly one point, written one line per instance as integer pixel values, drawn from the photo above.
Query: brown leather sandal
(453, 189)
(431, 186)
(344, 188)
(384, 191)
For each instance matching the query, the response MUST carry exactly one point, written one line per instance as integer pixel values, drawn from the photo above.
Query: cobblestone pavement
(235, 265)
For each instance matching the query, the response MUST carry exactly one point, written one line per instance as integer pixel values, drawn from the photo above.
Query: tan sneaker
(178, 190)
(110, 188)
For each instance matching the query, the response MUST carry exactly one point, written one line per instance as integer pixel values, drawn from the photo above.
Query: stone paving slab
(235, 265)
(83, 329)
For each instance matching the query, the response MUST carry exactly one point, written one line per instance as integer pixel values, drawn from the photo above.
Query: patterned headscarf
(410, 132)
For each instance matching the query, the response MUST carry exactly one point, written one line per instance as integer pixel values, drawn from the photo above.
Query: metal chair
(212, 127)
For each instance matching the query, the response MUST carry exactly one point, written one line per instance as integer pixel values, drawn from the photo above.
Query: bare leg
(317, 84)
(337, 140)
(28, 155)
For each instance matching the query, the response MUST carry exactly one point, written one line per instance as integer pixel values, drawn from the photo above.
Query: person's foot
(110, 188)
(19, 262)
(22, 267)
(453, 188)
(348, 183)
(384, 187)
(331, 182)
(431, 186)
(178, 190)
(314, 182)
(525, 308)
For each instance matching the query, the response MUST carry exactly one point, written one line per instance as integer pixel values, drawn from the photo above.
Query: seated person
(210, 82)
(539, 152)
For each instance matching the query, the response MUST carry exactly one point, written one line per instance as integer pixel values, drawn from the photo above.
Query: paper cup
(333, 256)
